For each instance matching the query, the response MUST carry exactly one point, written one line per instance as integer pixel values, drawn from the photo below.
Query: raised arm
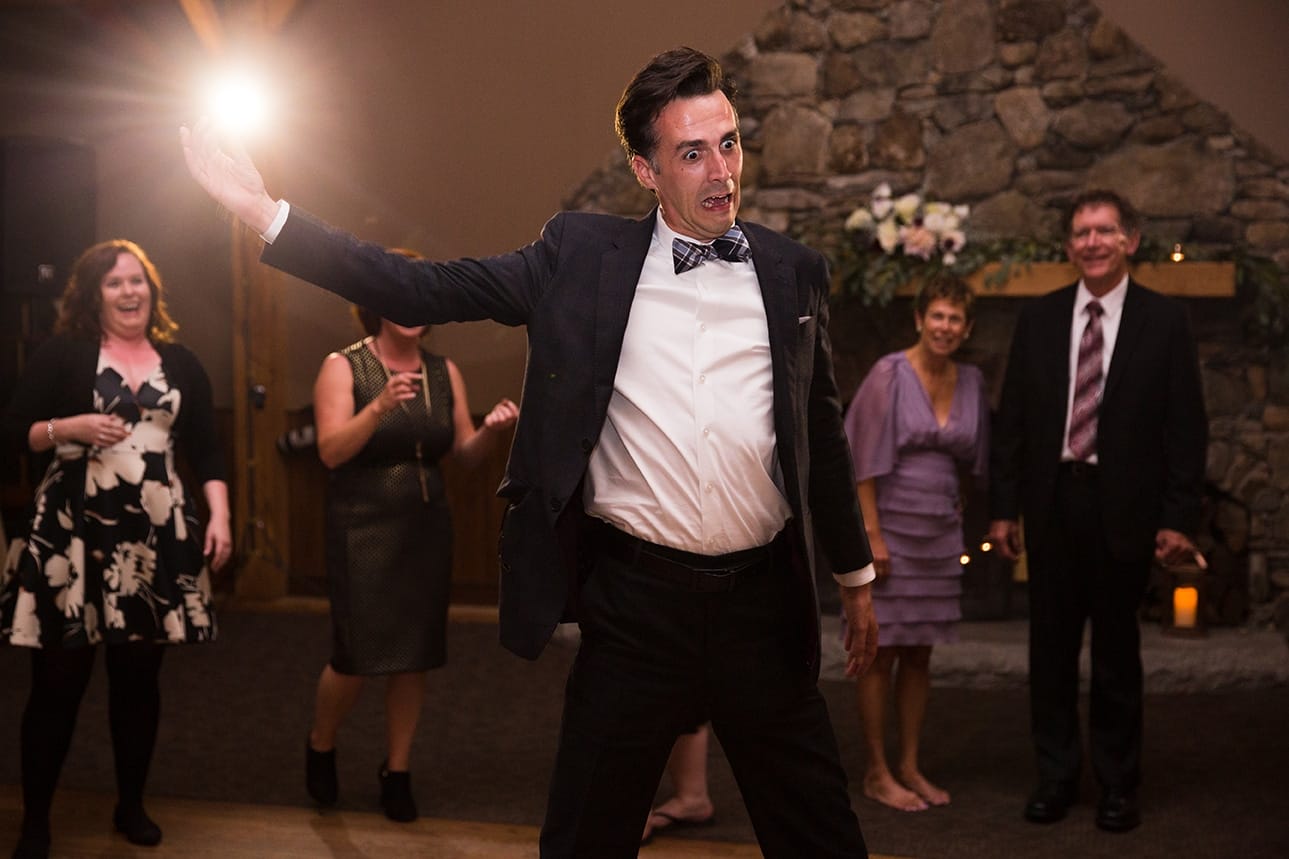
(228, 175)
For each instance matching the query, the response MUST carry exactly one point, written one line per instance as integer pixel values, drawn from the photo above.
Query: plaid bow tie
(732, 247)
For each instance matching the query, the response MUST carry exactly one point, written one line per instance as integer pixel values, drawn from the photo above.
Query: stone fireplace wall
(1012, 107)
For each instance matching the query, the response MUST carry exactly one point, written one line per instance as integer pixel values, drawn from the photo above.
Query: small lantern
(1184, 613)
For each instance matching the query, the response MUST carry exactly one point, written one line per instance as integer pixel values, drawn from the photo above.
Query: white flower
(888, 235)
(906, 207)
(952, 240)
(860, 219)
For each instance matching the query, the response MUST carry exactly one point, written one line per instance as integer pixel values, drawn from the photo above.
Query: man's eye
(691, 155)
(728, 144)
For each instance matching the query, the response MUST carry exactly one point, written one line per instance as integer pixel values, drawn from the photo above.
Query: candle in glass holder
(1185, 605)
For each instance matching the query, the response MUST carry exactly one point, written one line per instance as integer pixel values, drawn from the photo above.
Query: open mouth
(718, 202)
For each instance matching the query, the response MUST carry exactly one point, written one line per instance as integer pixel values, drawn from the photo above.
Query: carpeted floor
(236, 712)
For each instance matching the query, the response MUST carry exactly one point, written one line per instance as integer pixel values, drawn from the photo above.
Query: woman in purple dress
(918, 420)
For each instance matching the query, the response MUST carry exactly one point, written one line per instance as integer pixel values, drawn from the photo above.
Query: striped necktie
(1087, 387)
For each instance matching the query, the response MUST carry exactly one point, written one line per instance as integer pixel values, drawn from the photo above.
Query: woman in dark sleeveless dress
(115, 554)
(387, 411)
(918, 421)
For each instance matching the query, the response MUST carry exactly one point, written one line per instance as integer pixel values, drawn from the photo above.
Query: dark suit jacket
(1151, 429)
(573, 288)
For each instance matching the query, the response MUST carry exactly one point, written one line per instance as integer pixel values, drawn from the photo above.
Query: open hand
(227, 174)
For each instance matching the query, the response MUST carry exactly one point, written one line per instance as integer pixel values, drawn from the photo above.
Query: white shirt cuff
(283, 209)
(856, 578)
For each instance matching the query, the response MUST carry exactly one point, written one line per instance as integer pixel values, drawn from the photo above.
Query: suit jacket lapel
(619, 274)
(1130, 327)
(779, 295)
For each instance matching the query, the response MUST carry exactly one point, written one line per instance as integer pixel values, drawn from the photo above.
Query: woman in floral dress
(115, 554)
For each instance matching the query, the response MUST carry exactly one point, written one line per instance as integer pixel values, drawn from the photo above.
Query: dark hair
(948, 286)
(81, 306)
(678, 73)
(1129, 220)
(370, 319)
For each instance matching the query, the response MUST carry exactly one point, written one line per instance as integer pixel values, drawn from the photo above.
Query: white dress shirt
(687, 456)
(1112, 305)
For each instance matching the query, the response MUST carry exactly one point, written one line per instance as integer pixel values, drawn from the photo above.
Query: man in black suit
(678, 456)
(1100, 442)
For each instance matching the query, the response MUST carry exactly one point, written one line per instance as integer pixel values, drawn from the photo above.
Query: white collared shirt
(687, 456)
(1112, 305)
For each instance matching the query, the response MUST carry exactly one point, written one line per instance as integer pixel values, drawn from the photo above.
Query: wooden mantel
(1188, 279)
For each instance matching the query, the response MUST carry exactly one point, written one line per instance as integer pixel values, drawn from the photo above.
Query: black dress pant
(1075, 580)
(58, 682)
(656, 659)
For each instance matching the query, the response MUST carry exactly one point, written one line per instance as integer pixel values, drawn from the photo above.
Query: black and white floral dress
(114, 552)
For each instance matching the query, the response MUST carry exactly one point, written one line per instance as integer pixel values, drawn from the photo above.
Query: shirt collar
(1111, 302)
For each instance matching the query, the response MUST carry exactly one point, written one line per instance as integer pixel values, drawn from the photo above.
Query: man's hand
(229, 177)
(1005, 534)
(861, 629)
(1174, 547)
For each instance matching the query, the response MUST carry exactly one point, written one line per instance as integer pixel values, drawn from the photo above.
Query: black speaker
(47, 212)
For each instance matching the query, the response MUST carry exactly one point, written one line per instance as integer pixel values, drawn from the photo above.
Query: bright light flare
(238, 103)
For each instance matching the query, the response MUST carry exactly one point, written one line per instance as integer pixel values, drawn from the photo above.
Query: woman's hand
(881, 555)
(502, 415)
(219, 542)
(92, 429)
(399, 388)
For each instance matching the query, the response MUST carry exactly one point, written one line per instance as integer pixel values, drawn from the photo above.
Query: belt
(700, 573)
(1079, 470)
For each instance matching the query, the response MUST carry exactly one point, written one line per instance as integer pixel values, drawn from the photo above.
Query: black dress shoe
(1049, 802)
(1117, 811)
(133, 822)
(320, 775)
(396, 795)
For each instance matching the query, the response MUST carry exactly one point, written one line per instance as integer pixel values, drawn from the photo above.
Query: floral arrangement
(911, 226)
(893, 240)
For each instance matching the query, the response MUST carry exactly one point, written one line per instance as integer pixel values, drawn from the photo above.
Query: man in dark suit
(679, 455)
(1099, 441)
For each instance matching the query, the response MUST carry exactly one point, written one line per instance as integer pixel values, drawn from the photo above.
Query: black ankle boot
(396, 795)
(33, 841)
(320, 775)
(133, 822)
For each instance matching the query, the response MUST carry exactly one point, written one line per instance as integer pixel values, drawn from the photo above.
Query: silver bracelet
(49, 431)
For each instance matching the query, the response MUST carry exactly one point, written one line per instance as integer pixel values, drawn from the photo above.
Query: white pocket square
(802, 320)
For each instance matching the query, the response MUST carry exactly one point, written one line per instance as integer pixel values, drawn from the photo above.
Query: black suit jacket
(1151, 428)
(573, 289)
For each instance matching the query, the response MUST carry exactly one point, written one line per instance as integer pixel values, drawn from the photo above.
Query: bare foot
(917, 782)
(679, 814)
(886, 790)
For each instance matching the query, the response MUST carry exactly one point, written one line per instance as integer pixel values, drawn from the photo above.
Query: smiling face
(943, 327)
(1099, 247)
(695, 168)
(125, 305)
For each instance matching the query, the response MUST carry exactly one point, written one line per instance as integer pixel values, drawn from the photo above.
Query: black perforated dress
(389, 532)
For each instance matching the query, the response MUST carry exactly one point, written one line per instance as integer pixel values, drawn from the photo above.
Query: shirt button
(702, 379)
(702, 326)
(708, 489)
(707, 431)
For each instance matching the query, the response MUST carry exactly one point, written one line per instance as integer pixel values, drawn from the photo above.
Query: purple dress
(896, 440)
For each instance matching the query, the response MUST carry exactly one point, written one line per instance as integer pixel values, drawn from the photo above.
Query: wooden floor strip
(219, 830)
